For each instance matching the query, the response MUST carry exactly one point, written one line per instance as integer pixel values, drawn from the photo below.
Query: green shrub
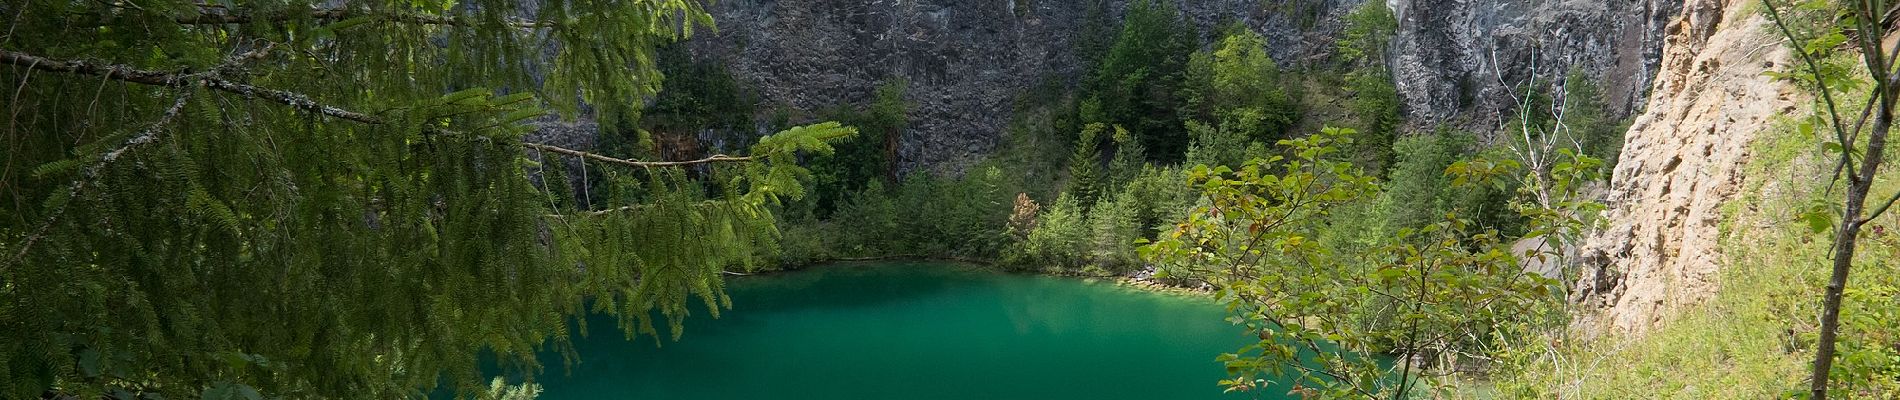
(1061, 237)
(1224, 144)
(1130, 158)
(961, 217)
(1418, 192)
(1160, 196)
(1114, 225)
(697, 95)
(1237, 83)
(867, 221)
(1375, 103)
(1585, 117)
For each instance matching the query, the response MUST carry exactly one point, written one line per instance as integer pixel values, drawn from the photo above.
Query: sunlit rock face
(1682, 160)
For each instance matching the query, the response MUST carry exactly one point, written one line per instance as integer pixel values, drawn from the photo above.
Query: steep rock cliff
(1465, 62)
(1681, 160)
(967, 61)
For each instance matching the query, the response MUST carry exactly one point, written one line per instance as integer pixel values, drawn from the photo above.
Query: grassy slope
(1754, 339)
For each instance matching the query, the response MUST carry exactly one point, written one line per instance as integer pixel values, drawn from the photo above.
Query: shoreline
(1135, 282)
(1152, 286)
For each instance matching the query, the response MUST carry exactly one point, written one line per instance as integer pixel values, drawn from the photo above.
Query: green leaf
(1819, 218)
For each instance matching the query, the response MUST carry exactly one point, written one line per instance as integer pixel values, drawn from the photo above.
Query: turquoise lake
(916, 330)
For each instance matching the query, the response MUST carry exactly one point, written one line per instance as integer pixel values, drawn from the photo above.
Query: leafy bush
(1375, 103)
(1430, 293)
(1130, 158)
(867, 221)
(1238, 83)
(1159, 196)
(1225, 144)
(697, 95)
(963, 217)
(1584, 115)
(1061, 237)
(1114, 225)
(1418, 192)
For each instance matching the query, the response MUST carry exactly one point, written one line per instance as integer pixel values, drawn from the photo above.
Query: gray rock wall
(1465, 62)
(967, 61)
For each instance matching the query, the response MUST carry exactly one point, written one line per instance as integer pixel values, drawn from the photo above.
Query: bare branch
(632, 163)
(1882, 209)
(115, 72)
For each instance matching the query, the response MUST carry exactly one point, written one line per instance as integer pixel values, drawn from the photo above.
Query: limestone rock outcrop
(1681, 160)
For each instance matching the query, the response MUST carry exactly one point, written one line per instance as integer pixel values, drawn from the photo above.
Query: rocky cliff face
(1462, 62)
(1466, 62)
(967, 61)
(1681, 160)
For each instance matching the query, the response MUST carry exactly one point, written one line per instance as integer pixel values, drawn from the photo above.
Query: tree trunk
(1844, 241)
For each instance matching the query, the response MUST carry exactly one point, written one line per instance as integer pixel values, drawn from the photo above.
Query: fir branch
(292, 99)
(632, 163)
(156, 78)
(115, 72)
(148, 135)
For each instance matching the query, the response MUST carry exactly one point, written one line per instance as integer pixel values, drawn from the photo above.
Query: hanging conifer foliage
(222, 199)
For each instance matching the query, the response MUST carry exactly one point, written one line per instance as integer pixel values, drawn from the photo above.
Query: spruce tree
(335, 199)
(1085, 165)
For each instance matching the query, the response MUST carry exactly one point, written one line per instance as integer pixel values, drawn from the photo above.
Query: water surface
(916, 331)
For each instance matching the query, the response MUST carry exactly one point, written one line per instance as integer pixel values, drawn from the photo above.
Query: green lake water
(916, 331)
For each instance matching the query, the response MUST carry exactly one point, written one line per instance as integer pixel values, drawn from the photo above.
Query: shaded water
(916, 331)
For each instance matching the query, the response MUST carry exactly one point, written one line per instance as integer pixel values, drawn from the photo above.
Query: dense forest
(428, 199)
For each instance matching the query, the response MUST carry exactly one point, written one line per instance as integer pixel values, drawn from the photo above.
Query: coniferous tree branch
(292, 99)
(148, 135)
(211, 80)
(145, 77)
(632, 163)
(255, 248)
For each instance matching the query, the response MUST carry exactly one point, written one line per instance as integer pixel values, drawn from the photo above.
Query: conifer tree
(1139, 78)
(229, 199)
(1085, 166)
(1130, 158)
